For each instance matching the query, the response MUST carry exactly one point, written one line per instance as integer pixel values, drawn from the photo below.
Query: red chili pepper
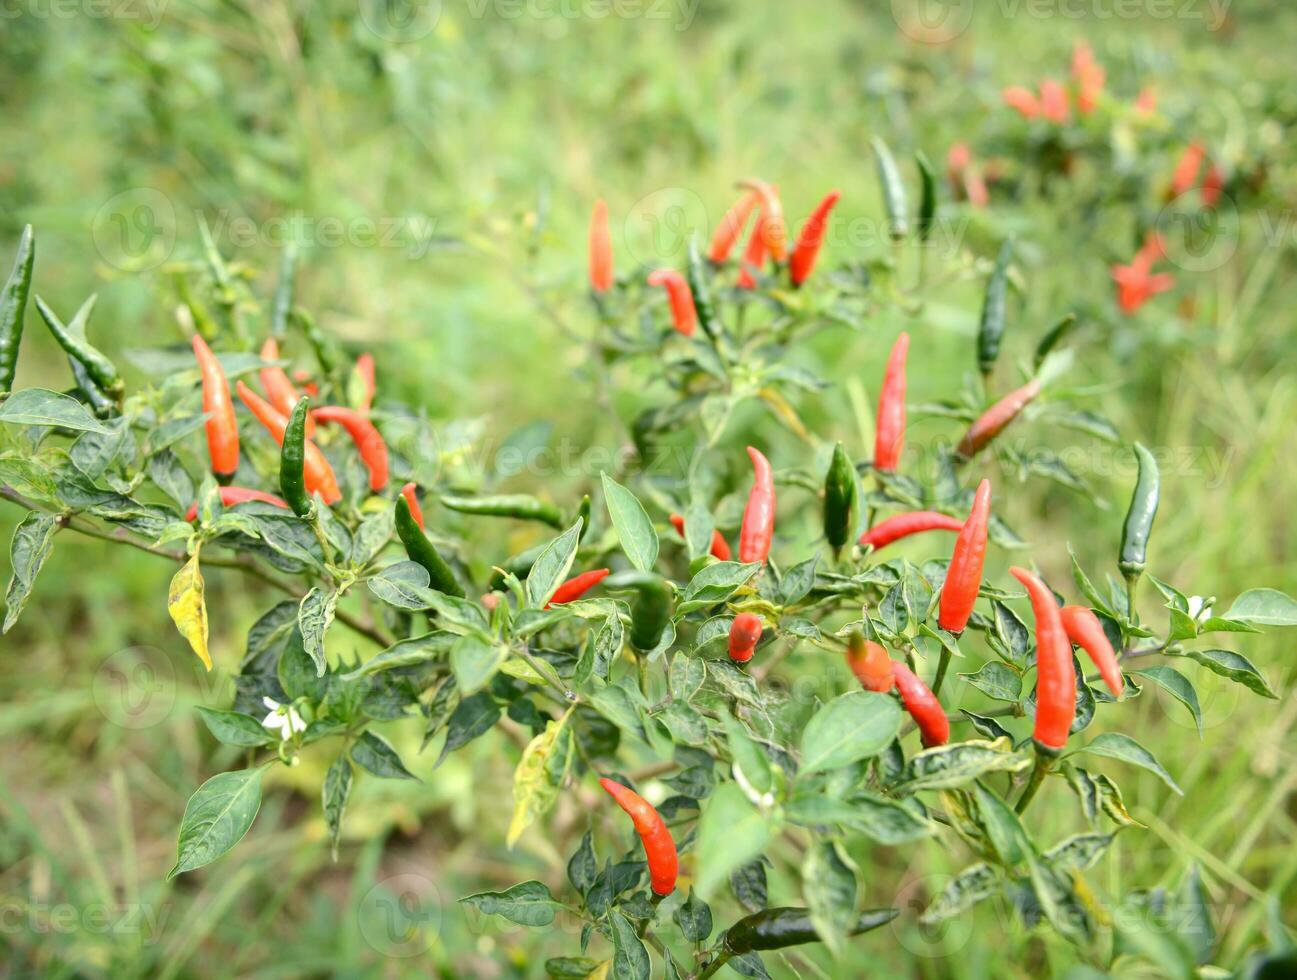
(309, 387)
(758, 526)
(1053, 101)
(316, 470)
(1137, 283)
(745, 633)
(1084, 629)
(1055, 672)
(1185, 175)
(577, 586)
(1089, 76)
(365, 368)
(279, 390)
(720, 547)
(731, 226)
(659, 848)
(237, 495)
(1213, 185)
(994, 420)
(683, 313)
(1023, 100)
(975, 188)
(490, 600)
(811, 240)
(964, 574)
(369, 441)
(889, 438)
(1146, 102)
(222, 429)
(774, 232)
(923, 706)
(903, 525)
(601, 271)
(412, 498)
(754, 256)
(870, 663)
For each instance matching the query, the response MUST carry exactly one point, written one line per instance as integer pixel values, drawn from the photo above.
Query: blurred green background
(438, 162)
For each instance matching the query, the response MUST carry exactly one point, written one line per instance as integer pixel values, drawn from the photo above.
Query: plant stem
(942, 664)
(721, 959)
(1038, 773)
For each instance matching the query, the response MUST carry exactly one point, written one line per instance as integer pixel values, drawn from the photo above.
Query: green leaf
(966, 889)
(313, 618)
(1002, 827)
(1114, 745)
(1269, 607)
(748, 756)
(406, 653)
(718, 581)
(997, 681)
(1236, 667)
(731, 832)
(849, 728)
(403, 584)
(233, 728)
(694, 919)
(1195, 920)
(473, 717)
(216, 818)
(542, 770)
(373, 753)
(798, 580)
(528, 903)
(334, 795)
(949, 766)
(1078, 852)
(687, 675)
(1176, 685)
(630, 959)
(829, 887)
(552, 566)
(634, 529)
(583, 866)
(698, 530)
(32, 542)
(37, 406)
(474, 662)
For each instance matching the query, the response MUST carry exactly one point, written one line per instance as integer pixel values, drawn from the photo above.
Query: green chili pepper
(839, 499)
(898, 221)
(1139, 519)
(282, 304)
(1056, 333)
(518, 505)
(89, 392)
(991, 331)
(651, 610)
(583, 512)
(321, 345)
(72, 338)
(928, 200)
(226, 295)
(422, 551)
(780, 927)
(292, 463)
(520, 564)
(696, 274)
(13, 304)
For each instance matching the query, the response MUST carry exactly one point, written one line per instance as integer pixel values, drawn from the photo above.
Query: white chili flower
(283, 717)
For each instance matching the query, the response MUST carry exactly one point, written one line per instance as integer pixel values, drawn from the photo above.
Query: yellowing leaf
(541, 771)
(188, 608)
(600, 972)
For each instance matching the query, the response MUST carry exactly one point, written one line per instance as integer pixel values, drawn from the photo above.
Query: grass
(487, 140)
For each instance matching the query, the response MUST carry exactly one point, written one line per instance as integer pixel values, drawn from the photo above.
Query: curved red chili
(369, 441)
(237, 495)
(745, 634)
(316, 470)
(758, 528)
(996, 418)
(754, 257)
(889, 437)
(577, 586)
(731, 226)
(870, 663)
(1185, 175)
(659, 848)
(303, 378)
(280, 392)
(1084, 629)
(1053, 101)
(923, 706)
(222, 429)
(720, 547)
(1055, 672)
(1213, 185)
(1023, 100)
(903, 525)
(683, 314)
(601, 270)
(774, 231)
(368, 385)
(811, 240)
(964, 574)
(412, 498)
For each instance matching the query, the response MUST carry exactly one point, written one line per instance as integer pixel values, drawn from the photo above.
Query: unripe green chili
(72, 338)
(282, 304)
(321, 345)
(1139, 519)
(89, 392)
(696, 274)
(840, 495)
(292, 462)
(778, 928)
(518, 505)
(928, 198)
(423, 552)
(519, 565)
(1056, 333)
(651, 610)
(13, 304)
(990, 332)
(889, 177)
(583, 512)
